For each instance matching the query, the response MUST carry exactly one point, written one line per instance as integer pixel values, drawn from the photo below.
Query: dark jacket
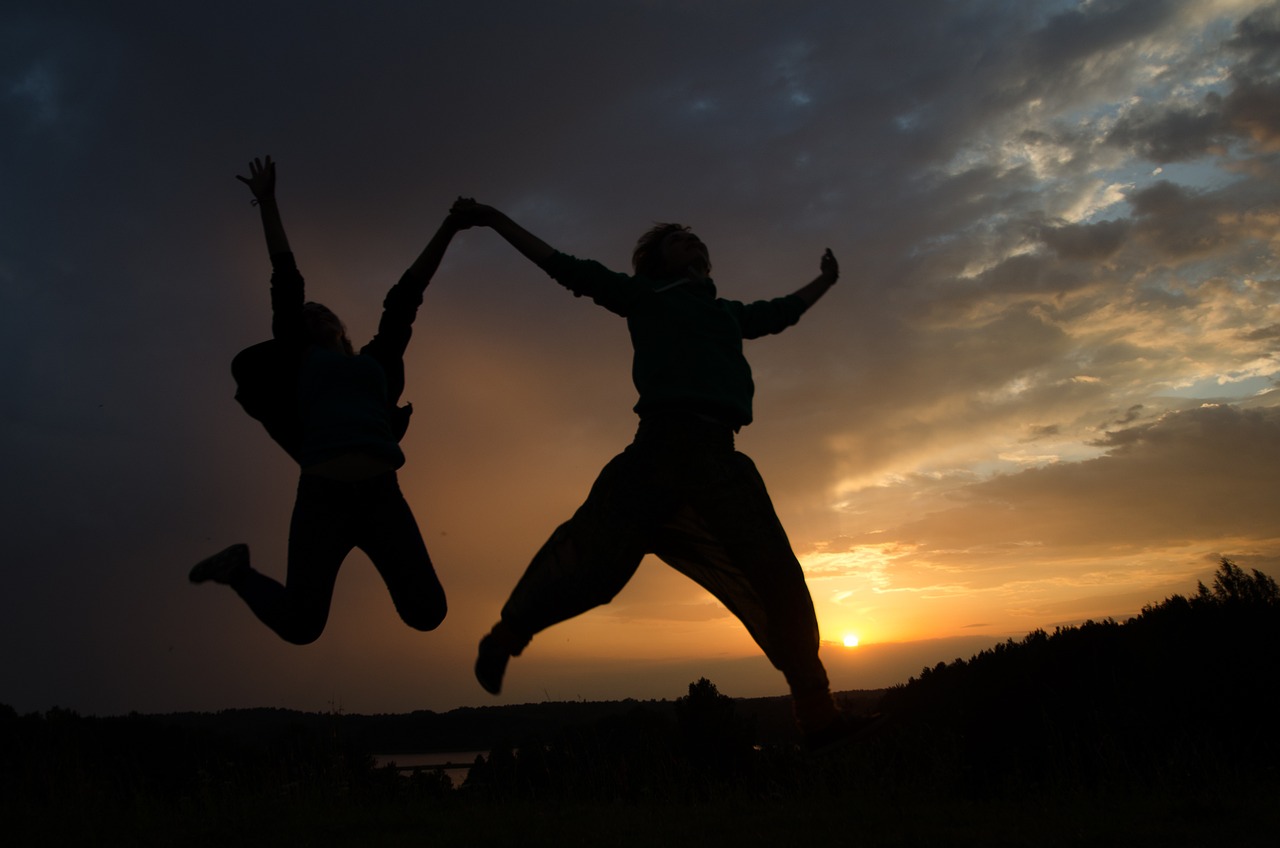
(266, 373)
(687, 342)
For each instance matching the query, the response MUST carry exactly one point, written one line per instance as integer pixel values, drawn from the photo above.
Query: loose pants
(680, 491)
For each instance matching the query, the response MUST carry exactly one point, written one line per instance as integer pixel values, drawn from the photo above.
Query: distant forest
(1178, 699)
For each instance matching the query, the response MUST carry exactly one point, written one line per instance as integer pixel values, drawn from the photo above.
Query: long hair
(646, 259)
(321, 324)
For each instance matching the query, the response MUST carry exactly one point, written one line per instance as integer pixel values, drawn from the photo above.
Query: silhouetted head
(670, 250)
(325, 328)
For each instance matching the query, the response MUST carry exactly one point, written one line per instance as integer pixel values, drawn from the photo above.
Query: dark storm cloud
(1257, 39)
(1173, 135)
(1086, 241)
(1246, 112)
(1013, 275)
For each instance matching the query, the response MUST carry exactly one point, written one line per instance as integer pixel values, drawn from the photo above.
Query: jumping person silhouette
(680, 490)
(335, 412)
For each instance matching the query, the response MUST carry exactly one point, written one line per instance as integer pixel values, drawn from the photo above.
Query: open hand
(262, 179)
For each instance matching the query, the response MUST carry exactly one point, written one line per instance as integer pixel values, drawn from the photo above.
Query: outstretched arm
(424, 267)
(829, 273)
(468, 213)
(262, 182)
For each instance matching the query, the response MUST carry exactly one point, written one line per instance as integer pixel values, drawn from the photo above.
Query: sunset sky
(1044, 389)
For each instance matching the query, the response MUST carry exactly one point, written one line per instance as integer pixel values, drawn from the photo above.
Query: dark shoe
(491, 664)
(222, 566)
(845, 730)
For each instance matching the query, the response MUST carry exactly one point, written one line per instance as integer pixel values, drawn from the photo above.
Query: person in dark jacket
(680, 490)
(336, 413)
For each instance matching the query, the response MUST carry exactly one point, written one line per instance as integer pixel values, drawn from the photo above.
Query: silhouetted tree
(1231, 586)
(713, 735)
(1174, 694)
(495, 775)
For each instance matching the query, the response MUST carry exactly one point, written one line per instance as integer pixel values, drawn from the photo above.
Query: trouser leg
(728, 538)
(319, 540)
(587, 560)
(390, 536)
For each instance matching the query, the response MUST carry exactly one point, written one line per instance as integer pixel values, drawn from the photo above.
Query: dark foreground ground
(1159, 731)
(844, 815)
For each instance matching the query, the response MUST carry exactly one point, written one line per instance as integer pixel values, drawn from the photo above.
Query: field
(835, 811)
(1157, 731)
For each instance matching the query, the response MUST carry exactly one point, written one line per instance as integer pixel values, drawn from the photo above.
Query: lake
(458, 762)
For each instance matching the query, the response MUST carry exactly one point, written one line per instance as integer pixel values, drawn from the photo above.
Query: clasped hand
(466, 213)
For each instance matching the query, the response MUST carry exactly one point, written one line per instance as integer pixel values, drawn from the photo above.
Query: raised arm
(468, 214)
(400, 306)
(424, 267)
(262, 182)
(829, 272)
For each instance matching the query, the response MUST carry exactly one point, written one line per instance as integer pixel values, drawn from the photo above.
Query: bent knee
(425, 618)
(303, 636)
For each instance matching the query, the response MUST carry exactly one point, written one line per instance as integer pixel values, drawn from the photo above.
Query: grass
(1160, 731)
(843, 816)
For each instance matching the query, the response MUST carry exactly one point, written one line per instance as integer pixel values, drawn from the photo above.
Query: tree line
(1179, 697)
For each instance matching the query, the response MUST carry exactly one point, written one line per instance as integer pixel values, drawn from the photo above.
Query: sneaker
(491, 664)
(222, 566)
(845, 730)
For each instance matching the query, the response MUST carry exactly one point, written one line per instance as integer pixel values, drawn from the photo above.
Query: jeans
(330, 517)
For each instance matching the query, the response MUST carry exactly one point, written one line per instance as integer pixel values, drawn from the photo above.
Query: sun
(850, 640)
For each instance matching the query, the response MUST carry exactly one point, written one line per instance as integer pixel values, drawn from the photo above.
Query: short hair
(646, 259)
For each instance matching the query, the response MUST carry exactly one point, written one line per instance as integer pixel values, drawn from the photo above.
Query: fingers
(829, 266)
(262, 178)
(262, 167)
(258, 168)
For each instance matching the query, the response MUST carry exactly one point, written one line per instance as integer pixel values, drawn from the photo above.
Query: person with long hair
(336, 412)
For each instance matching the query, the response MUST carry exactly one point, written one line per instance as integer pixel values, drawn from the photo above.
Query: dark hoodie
(687, 342)
(268, 374)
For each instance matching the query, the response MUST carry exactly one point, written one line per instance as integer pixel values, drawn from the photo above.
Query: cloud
(1088, 242)
(1192, 477)
(998, 407)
